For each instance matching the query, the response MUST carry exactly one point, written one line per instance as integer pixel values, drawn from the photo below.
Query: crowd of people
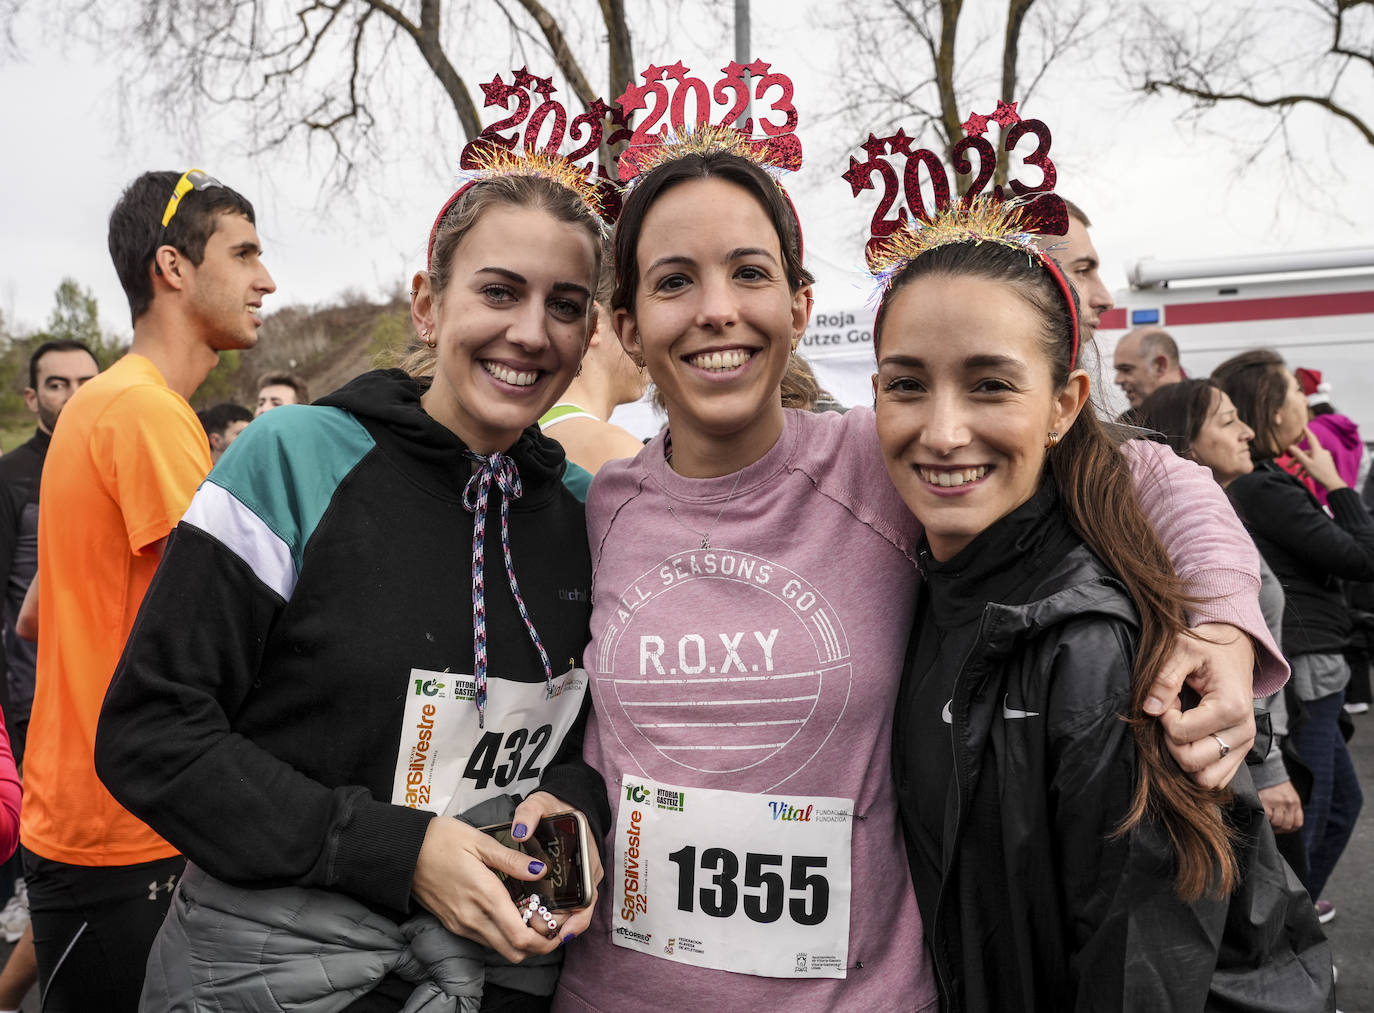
(968, 700)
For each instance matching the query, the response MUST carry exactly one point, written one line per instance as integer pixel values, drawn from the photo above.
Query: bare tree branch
(333, 72)
(1255, 60)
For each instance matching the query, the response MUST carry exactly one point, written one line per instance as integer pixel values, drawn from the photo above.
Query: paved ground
(1351, 889)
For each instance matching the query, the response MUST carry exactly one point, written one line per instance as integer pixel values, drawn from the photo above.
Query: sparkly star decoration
(544, 86)
(677, 71)
(859, 176)
(899, 143)
(875, 146)
(496, 92)
(524, 79)
(1005, 114)
(976, 125)
(982, 221)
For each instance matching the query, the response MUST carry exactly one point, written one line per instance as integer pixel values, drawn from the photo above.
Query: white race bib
(757, 884)
(446, 764)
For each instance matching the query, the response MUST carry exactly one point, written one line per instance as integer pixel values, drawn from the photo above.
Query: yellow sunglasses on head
(191, 179)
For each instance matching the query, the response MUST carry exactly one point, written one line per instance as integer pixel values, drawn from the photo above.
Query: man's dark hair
(136, 230)
(286, 380)
(1075, 211)
(217, 419)
(57, 345)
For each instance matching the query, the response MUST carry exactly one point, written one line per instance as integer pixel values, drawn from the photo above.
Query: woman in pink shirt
(754, 574)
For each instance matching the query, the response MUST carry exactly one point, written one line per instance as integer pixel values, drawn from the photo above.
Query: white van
(1315, 307)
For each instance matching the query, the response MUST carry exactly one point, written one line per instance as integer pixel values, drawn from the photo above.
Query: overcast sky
(1152, 187)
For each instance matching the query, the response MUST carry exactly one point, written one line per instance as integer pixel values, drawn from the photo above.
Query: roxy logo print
(758, 685)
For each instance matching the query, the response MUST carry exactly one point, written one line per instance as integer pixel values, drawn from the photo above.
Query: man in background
(1146, 359)
(1078, 258)
(277, 389)
(119, 474)
(222, 424)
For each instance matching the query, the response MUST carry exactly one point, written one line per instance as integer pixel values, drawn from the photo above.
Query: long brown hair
(1098, 496)
(1257, 383)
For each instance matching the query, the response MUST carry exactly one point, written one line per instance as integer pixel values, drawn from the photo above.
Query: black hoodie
(256, 715)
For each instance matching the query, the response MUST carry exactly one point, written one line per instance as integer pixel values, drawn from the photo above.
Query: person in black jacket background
(1311, 553)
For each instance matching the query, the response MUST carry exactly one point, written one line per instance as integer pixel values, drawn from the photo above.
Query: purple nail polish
(569, 938)
(536, 868)
(520, 831)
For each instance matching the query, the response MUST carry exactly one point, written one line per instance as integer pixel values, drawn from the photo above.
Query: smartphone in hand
(560, 841)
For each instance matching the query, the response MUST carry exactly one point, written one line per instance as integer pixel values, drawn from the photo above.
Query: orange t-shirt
(124, 463)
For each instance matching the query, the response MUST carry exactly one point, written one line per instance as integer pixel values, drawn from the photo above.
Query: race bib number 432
(447, 764)
(757, 884)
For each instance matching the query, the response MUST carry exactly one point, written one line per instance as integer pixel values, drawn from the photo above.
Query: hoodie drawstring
(501, 468)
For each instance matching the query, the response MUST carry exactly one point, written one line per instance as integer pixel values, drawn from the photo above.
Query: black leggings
(93, 928)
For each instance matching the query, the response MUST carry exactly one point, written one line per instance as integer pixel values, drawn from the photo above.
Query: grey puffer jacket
(236, 950)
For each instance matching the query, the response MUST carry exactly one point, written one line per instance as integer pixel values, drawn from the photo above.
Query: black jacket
(1038, 906)
(1309, 552)
(21, 470)
(256, 715)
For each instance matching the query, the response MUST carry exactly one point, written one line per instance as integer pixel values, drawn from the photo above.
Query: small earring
(1052, 441)
(428, 337)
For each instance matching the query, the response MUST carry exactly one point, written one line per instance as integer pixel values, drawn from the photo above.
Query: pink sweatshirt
(810, 577)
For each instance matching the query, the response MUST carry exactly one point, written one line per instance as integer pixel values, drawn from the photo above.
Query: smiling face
(1223, 442)
(511, 325)
(224, 291)
(965, 403)
(715, 321)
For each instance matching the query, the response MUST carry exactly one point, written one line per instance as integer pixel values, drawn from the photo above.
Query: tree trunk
(1016, 17)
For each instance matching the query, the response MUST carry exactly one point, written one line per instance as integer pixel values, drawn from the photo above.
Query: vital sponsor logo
(417, 790)
(635, 901)
(636, 793)
(785, 812)
(640, 937)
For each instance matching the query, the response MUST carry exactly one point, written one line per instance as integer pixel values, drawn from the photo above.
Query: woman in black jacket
(1060, 859)
(369, 619)
(1311, 553)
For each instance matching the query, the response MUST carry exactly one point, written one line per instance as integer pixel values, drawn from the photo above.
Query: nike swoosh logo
(946, 715)
(1007, 712)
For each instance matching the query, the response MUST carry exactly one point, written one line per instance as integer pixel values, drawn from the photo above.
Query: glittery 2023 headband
(1013, 217)
(535, 150)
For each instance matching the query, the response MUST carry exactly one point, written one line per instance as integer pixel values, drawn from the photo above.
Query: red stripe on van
(1113, 320)
(1280, 307)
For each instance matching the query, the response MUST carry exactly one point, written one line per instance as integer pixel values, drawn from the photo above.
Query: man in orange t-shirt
(120, 472)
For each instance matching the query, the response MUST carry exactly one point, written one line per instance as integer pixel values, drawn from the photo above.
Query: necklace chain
(705, 536)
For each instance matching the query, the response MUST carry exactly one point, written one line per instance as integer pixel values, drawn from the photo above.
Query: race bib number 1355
(747, 883)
